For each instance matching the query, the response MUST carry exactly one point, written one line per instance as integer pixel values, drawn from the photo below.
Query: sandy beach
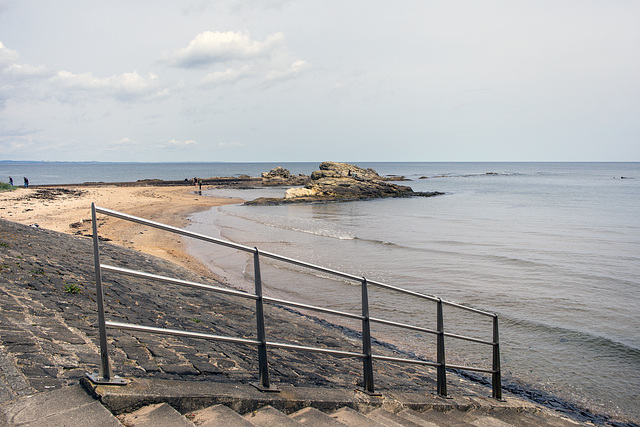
(68, 210)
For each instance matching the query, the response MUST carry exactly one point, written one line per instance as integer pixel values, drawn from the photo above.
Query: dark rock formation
(281, 176)
(342, 182)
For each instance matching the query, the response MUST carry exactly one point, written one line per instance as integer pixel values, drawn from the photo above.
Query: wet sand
(68, 210)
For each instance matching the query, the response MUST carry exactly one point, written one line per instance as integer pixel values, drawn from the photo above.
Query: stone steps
(73, 406)
(163, 414)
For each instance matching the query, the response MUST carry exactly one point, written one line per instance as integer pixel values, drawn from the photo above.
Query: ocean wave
(602, 346)
(503, 259)
(300, 225)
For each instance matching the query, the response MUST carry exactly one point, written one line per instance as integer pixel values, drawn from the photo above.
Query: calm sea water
(552, 248)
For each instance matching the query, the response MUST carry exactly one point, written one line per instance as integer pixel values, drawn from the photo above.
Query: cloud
(24, 71)
(265, 73)
(211, 47)
(174, 143)
(228, 76)
(7, 56)
(123, 87)
(294, 69)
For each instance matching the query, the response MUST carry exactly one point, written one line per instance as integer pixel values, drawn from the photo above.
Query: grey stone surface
(268, 416)
(390, 419)
(354, 418)
(312, 417)
(160, 414)
(68, 406)
(219, 415)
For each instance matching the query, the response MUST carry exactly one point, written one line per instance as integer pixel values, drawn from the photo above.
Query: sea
(552, 248)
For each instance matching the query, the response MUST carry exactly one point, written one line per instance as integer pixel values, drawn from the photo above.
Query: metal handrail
(104, 376)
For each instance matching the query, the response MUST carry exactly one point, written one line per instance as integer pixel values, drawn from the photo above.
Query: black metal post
(496, 377)
(367, 362)
(441, 369)
(104, 376)
(263, 365)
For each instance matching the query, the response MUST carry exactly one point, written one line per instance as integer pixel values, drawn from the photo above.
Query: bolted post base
(97, 379)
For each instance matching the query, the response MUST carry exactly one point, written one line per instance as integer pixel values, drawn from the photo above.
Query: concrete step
(219, 415)
(269, 416)
(481, 418)
(414, 416)
(313, 417)
(64, 407)
(533, 419)
(160, 414)
(353, 418)
(390, 419)
(439, 418)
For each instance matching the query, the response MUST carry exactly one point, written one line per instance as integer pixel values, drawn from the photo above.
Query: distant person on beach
(11, 181)
(26, 182)
(199, 184)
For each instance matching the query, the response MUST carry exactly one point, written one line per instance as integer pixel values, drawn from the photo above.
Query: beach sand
(68, 209)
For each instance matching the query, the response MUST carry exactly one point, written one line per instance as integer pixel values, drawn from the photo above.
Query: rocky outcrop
(342, 182)
(280, 176)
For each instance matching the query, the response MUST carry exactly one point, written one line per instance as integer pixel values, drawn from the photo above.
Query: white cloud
(12, 71)
(228, 76)
(123, 141)
(294, 69)
(211, 47)
(20, 71)
(124, 87)
(180, 144)
(7, 56)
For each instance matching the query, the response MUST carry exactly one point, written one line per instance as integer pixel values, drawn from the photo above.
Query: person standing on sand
(26, 182)
(11, 181)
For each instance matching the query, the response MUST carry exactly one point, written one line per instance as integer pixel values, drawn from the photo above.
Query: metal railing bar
(279, 257)
(164, 331)
(312, 307)
(462, 337)
(403, 325)
(173, 281)
(173, 229)
(199, 335)
(315, 349)
(398, 359)
(464, 307)
(261, 342)
(311, 266)
(471, 368)
(165, 279)
(403, 291)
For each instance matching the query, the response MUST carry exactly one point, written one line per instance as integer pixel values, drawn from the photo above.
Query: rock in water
(342, 182)
(281, 176)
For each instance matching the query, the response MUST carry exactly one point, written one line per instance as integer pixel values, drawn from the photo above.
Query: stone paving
(49, 336)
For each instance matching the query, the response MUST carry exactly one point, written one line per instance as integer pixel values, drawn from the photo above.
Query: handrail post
(496, 377)
(367, 362)
(263, 365)
(104, 376)
(441, 369)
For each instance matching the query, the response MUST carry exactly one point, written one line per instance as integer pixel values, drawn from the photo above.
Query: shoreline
(67, 209)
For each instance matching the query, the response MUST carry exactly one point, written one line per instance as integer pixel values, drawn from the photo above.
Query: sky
(300, 80)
